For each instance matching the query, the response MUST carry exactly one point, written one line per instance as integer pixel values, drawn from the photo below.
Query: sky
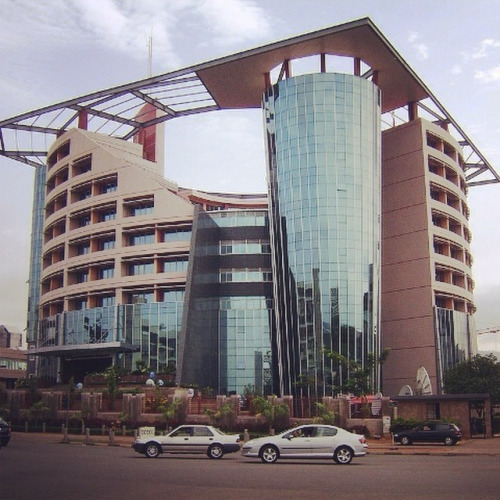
(52, 50)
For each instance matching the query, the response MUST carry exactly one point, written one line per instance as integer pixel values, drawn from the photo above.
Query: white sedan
(308, 441)
(189, 439)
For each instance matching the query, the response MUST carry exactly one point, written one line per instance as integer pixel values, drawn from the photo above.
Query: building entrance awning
(84, 350)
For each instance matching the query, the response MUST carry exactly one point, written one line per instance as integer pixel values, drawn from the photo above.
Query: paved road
(42, 468)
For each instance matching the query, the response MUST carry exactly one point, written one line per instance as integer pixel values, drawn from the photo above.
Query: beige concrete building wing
(100, 200)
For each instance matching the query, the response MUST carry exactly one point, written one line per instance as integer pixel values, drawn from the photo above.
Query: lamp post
(66, 437)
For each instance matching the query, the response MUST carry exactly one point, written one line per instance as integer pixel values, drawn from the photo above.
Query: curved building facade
(119, 246)
(323, 137)
(427, 293)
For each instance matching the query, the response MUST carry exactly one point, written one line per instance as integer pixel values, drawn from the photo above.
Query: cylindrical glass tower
(323, 148)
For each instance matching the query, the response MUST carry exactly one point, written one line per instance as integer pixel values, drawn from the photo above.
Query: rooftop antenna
(150, 55)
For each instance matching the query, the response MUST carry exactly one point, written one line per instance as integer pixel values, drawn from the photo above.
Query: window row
(435, 142)
(446, 172)
(454, 303)
(150, 235)
(237, 218)
(450, 249)
(448, 198)
(12, 364)
(245, 275)
(454, 277)
(161, 265)
(106, 270)
(444, 221)
(77, 167)
(230, 247)
(107, 241)
(95, 187)
(109, 298)
(95, 215)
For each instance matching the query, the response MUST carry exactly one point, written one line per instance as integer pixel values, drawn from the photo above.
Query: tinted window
(183, 431)
(325, 431)
(202, 431)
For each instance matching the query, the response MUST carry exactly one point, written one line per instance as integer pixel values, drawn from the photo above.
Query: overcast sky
(52, 50)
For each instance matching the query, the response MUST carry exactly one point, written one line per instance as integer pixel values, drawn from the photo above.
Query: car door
(322, 442)
(297, 442)
(426, 433)
(201, 440)
(179, 441)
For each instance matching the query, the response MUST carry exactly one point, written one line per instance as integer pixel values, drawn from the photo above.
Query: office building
(361, 244)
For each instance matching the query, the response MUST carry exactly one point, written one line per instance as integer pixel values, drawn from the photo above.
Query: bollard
(103, 429)
(124, 430)
(111, 438)
(246, 436)
(87, 436)
(65, 439)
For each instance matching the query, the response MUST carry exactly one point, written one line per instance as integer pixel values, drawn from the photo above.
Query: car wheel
(215, 451)
(343, 455)
(152, 450)
(269, 454)
(449, 441)
(405, 440)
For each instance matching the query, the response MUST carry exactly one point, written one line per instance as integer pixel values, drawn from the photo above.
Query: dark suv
(430, 432)
(4, 433)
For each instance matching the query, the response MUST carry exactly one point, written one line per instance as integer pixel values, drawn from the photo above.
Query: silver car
(308, 441)
(189, 439)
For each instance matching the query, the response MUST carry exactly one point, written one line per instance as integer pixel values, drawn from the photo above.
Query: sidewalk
(383, 446)
(479, 446)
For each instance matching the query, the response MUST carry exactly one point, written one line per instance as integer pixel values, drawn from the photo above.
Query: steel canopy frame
(233, 82)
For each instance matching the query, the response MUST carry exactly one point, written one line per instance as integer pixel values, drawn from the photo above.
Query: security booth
(472, 412)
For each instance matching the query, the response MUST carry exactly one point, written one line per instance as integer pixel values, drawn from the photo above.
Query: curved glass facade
(323, 146)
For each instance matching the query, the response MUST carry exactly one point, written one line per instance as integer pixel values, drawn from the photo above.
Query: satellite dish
(406, 390)
(423, 384)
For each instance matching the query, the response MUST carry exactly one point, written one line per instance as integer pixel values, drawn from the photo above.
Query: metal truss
(114, 112)
(236, 82)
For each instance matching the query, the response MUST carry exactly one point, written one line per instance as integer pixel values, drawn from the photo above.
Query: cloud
(232, 21)
(227, 144)
(421, 48)
(486, 300)
(124, 25)
(488, 76)
(485, 47)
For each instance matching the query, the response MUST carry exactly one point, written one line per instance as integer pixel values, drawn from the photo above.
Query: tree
(359, 381)
(173, 411)
(112, 376)
(38, 410)
(223, 417)
(325, 416)
(478, 375)
(276, 415)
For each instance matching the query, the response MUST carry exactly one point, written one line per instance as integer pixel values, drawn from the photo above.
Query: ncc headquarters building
(361, 243)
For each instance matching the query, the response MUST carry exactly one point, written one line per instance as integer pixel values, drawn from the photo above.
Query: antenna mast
(150, 54)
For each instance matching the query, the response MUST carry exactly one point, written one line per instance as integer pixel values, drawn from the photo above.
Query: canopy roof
(234, 82)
